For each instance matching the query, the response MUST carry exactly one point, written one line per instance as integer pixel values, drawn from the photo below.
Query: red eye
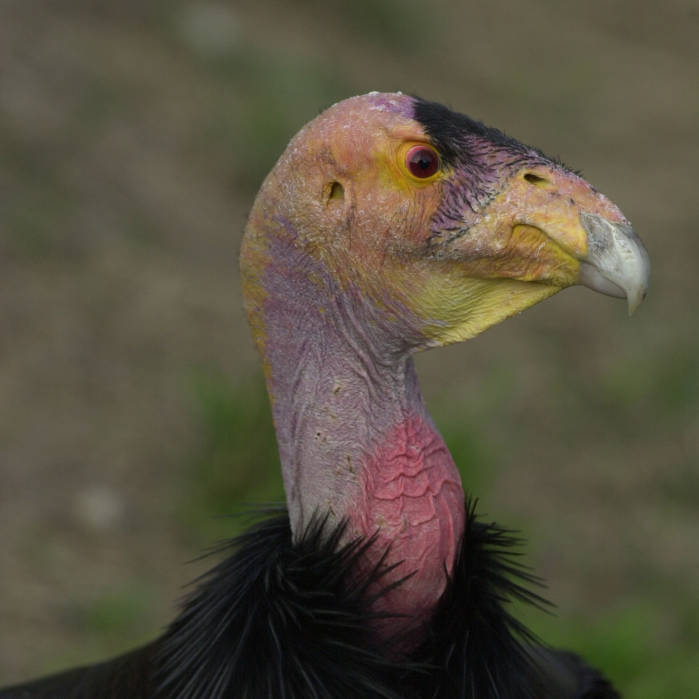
(422, 161)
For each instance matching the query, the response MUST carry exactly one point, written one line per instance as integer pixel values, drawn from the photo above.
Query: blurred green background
(133, 418)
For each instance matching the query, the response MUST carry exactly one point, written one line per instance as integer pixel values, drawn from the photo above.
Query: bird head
(444, 225)
(390, 225)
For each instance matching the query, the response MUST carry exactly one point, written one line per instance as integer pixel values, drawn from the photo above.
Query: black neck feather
(277, 619)
(283, 620)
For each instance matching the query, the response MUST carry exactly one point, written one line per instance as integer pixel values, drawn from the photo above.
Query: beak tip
(635, 300)
(617, 263)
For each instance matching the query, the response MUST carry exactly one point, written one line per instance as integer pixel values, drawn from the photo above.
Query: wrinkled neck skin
(355, 438)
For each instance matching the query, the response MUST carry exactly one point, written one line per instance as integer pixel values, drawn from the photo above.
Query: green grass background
(133, 418)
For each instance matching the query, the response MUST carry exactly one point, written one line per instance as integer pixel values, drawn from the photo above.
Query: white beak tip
(617, 262)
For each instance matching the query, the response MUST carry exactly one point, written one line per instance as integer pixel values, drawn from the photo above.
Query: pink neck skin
(411, 497)
(355, 438)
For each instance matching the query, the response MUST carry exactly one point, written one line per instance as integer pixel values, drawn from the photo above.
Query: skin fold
(351, 263)
(390, 225)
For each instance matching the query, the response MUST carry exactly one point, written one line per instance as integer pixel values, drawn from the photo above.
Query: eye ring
(422, 161)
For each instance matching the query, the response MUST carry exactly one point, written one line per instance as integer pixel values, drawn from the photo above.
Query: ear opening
(336, 192)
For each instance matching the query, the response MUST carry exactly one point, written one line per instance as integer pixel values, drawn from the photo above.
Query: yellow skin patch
(467, 307)
(351, 262)
(525, 245)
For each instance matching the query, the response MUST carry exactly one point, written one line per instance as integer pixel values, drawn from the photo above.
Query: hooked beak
(547, 229)
(549, 225)
(616, 262)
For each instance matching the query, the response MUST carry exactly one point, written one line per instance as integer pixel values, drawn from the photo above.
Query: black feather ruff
(287, 620)
(278, 619)
(283, 620)
(480, 648)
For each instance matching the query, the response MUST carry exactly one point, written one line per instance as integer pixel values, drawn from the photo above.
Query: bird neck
(355, 439)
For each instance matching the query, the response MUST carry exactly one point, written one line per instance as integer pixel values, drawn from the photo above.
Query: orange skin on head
(350, 264)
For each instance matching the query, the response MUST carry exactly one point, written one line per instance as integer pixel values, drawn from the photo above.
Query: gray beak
(616, 263)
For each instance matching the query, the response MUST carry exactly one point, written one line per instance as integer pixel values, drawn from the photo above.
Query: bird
(390, 225)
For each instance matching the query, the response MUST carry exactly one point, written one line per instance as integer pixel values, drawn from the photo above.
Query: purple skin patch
(351, 262)
(394, 102)
(355, 438)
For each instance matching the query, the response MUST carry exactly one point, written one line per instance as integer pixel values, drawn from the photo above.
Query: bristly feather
(479, 650)
(450, 132)
(484, 650)
(292, 620)
(284, 620)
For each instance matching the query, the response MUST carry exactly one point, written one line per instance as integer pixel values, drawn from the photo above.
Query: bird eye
(422, 161)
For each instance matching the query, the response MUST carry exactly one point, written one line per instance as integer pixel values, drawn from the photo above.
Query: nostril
(535, 179)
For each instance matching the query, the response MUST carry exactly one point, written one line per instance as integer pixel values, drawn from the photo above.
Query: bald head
(390, 225)
(494, 228)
